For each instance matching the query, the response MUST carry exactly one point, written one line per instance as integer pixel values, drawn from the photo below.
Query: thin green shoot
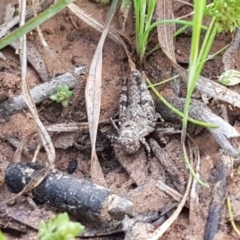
(182, 29)
(199, 7)
(164, 81)
(212, 56)
(174, 35)
(143, 23)
(189, 166)
(179, 113)
(231, 218)
(34, 22)
(2, 236)
(209, 58)
(153, 50)
(225, 15)
(169, 21)
(143, 13)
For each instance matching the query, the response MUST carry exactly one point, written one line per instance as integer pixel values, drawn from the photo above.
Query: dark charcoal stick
(78, 197)
(218, 199)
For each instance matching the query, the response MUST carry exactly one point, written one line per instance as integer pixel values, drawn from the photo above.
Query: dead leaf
(93, 98)
(88, 19)
(165, 32)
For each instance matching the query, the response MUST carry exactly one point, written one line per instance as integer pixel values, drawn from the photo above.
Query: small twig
(72, 127)
(170, 191)
(34, 159)
(98, 235)
(211, 88)
(20, 148)
(185, 16)
(194, 198)
(158, 233)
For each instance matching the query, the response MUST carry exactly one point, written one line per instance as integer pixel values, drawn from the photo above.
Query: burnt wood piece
(215, 210)
(78, 197)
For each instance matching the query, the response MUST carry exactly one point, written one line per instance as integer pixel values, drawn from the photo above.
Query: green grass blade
(143, 39)
(34, 22)
(207, 44)
(168, 21)
(142, 11)
(2, 236)
(150, 10)
(189, 166)
(137, 16)
(199, 7)
(231, 218)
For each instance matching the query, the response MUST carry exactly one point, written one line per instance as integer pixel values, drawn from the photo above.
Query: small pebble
(72, 166)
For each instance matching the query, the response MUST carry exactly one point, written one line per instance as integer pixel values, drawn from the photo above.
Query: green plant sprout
(62, 96)
(143, 12)
(2, 236)
(59, 228)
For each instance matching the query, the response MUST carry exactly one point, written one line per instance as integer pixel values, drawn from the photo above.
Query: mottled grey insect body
(137, 116)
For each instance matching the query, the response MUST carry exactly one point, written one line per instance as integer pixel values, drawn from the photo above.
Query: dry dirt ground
(74, 43)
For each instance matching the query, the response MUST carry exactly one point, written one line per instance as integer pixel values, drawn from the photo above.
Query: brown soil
(74, 43)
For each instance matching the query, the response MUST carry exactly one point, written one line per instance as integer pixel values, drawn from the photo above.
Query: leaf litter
(159, 232)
